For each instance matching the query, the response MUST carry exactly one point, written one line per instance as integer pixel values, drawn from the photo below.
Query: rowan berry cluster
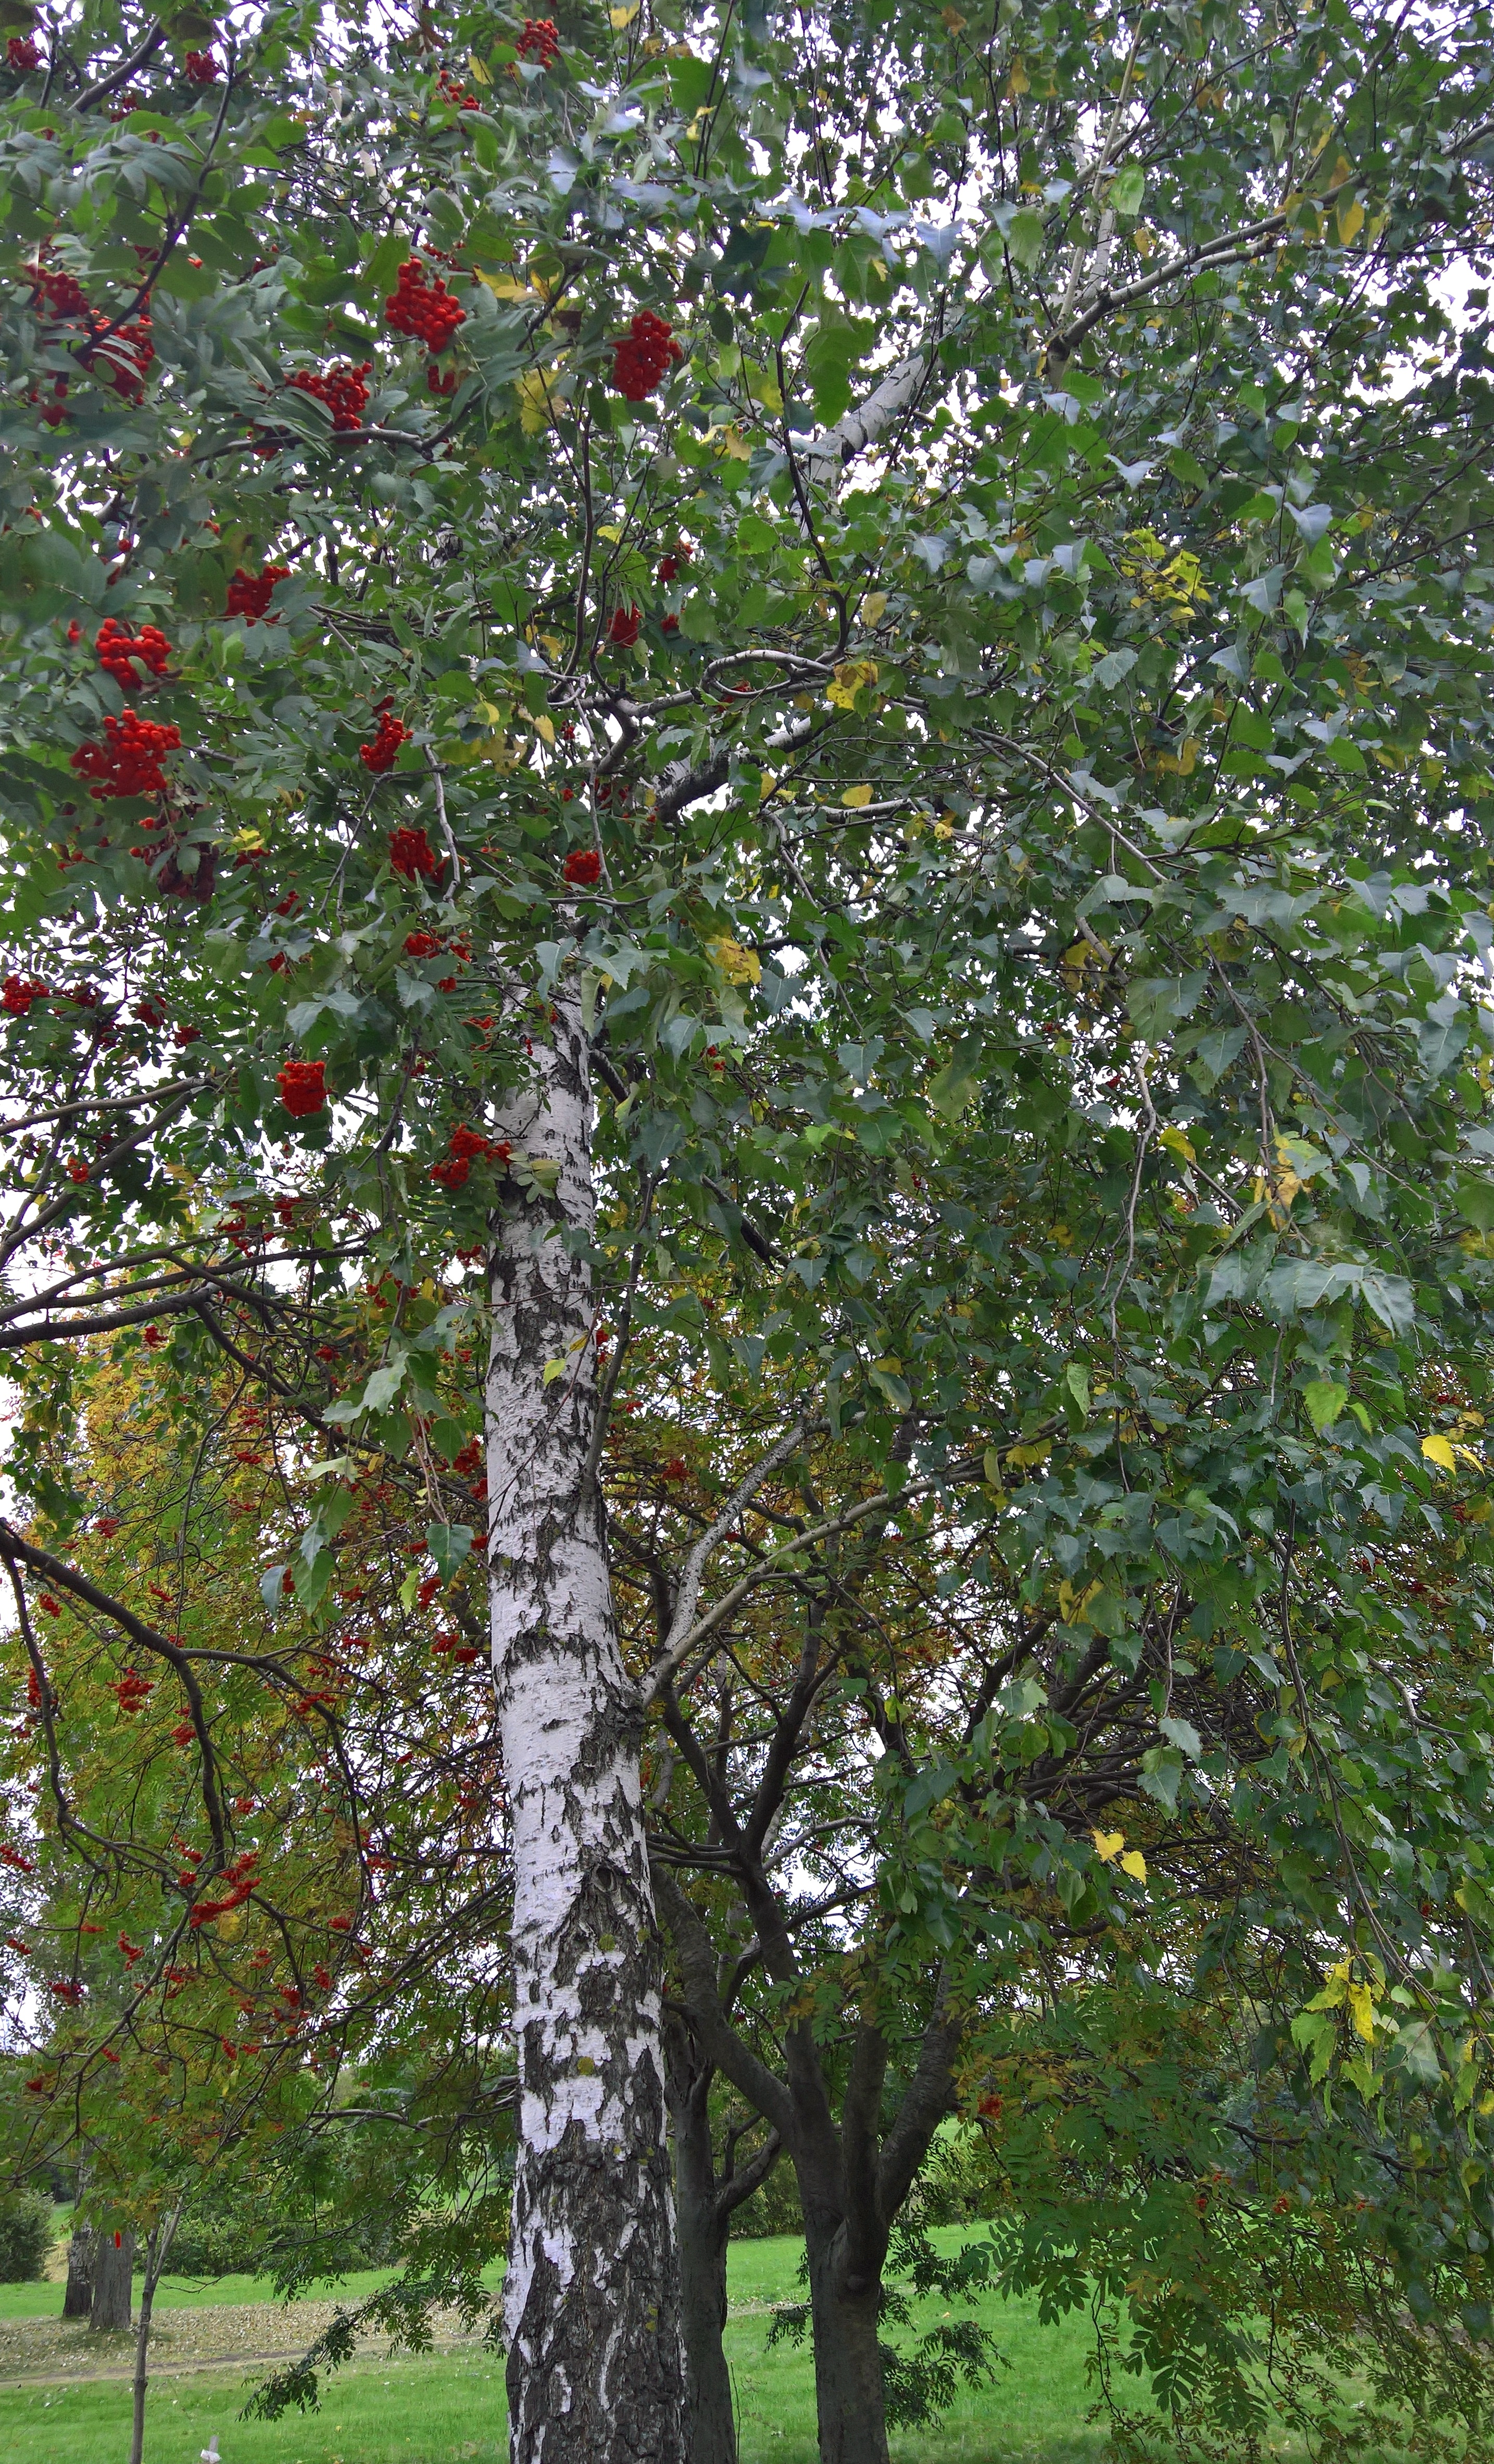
(390, 735)
(465, 1146)
(411, 853)
(582, 868)
(201, 68)
(539, 41)
(623, 631)
(132, 1691)
(129, 762)
(303, 1088)
(341, 388)
(122, 654)
(643, 357)
(250, 593)
(22, 54)
(450, 89)
(18, 994)
(422, 308)
(126, 354)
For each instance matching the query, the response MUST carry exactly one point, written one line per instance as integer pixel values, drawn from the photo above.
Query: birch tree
(619, 627)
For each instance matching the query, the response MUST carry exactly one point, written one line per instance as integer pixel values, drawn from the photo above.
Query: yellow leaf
(850, 677)
(504, 287)
(1439, 1450)
(1023, 1456)
(730, 442)
(1343, 171)
(765, 786)
(740, 966)
(874, 608)
(1351, 221)
(1107, 1844)
(535, 403)
(480, 73)
(1178, 1144)
(1072, 1604)
(856, 796)
(552, 1369)
(618, 18)
(953, 21)
(1134, 1864)
(608, 531)
(1018, 82)
(1361, 2010)
(544, 729)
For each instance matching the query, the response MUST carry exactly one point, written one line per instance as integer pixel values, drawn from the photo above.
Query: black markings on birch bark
(595, 2371)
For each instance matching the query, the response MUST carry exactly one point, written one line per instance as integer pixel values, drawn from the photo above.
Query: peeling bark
(592, 2298)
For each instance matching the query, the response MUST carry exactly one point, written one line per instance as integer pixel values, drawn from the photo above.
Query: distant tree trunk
(78, 2298)
(114, 2267)
(158, 2241)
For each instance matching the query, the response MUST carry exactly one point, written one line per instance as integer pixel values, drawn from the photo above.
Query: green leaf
(1128, 189)
(1325, 1401)
(448, 1544)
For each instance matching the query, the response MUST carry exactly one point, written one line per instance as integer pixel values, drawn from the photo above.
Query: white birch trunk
(595, 2371)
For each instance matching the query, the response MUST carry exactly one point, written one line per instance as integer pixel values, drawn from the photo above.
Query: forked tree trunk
(78, 2300)
(592, 2298)
(114, 2267)
(157, 2243)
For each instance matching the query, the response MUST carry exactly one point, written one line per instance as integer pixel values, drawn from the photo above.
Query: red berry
(642, 358)
(582, 868)
(381, 754)
(303, 1087)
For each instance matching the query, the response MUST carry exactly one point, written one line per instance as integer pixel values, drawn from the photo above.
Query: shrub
(25, 2236)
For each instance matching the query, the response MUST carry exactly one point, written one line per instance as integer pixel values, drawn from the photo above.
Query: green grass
(439, 2410)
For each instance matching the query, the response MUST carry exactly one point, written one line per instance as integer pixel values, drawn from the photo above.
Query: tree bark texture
(114, 2267)
(78, 2300)
(845, 2310)
(595, 2368)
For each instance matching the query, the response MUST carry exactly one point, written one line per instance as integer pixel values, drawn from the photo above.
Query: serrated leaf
(448, 1544)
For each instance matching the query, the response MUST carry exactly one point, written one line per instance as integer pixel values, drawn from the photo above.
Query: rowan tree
(794, 626)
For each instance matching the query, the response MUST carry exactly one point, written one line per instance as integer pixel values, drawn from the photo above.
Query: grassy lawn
(440, 2410)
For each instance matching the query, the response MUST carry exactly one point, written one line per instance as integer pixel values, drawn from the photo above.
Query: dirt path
(247, 2335)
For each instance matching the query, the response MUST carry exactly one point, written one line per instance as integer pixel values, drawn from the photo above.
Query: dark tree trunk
(157, 2243)
(704, 2226)
(78, 2298)
(844, 2309)
(114, 2267)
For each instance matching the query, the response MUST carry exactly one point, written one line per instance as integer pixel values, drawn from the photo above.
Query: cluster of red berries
(128, 354)
(422, 308)
(623, 631)
(582, 868)
(411, 853)
(250, 593)
(466, 1145)
(341, 388)
(390, 735)
(539, 41)
(22, 54)
(643, 357)
(18, 994)
(122, 654)
(201, 68)
(132, 1691)
(128, 763)
(669, 566)
(450, 91)
(303, 1088)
